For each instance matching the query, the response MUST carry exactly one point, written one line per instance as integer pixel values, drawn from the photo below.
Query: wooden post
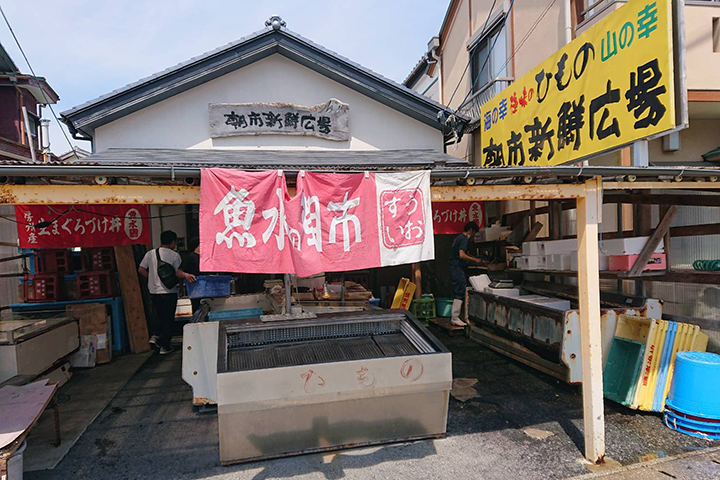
(417, 279)
(588, 213)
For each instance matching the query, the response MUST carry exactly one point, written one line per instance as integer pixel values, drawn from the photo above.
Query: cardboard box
(86, 356)
(94, 320)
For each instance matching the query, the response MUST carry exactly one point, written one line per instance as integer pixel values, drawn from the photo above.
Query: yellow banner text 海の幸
(610, 86)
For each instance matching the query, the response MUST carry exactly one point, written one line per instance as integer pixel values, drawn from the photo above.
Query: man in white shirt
(164, 299)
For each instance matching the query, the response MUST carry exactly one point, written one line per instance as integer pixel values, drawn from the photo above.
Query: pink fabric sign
(335, 221)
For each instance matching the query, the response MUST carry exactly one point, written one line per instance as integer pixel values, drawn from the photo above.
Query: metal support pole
(288, 295)
(588, 219)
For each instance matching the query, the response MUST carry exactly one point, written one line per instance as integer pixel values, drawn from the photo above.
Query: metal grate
(319, 351)
(311, 332)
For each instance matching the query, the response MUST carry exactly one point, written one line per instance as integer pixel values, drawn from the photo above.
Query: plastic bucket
(443, 307)
(693, 424)
(209, 286)
(15, 464)
(683, 427)
(695, 386)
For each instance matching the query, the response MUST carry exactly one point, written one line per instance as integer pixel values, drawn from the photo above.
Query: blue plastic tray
(234, 314)
(209, 286)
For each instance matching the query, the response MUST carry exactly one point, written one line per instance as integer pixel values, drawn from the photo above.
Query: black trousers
(458, 277)
(165, 305)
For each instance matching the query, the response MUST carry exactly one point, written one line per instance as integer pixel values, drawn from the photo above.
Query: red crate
(96, 284)
(44, 288)
(98, 259)
(53, 261)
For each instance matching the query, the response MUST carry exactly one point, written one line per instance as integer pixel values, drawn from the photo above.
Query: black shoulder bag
(166, 272)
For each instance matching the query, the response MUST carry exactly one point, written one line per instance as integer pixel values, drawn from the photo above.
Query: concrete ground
(517, 423)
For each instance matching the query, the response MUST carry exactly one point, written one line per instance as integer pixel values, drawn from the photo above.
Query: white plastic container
(15, 464)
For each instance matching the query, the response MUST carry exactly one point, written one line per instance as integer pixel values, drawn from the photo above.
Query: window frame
(485, 40)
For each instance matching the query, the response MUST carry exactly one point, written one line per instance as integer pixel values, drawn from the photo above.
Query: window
(488, 58)
(34, 126)
(716, 34)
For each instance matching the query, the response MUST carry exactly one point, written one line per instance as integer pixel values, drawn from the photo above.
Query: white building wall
(181, 121)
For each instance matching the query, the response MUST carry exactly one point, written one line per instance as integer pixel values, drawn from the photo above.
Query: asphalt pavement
(515, 423)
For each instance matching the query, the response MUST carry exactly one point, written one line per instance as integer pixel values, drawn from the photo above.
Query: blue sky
(86, 48)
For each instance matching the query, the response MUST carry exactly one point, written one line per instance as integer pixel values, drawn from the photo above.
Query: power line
(47, 101)
(515, 51)
(532, 29)
(492, 7)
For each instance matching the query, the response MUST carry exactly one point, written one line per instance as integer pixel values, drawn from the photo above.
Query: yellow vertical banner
(609, 87)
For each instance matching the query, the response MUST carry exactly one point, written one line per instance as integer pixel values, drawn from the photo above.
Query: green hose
(707, 265)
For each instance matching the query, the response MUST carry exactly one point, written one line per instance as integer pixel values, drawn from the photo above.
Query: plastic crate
(44, 288)
(96, 284)
(98, 259)
(423, 308)
(53, 261)
(209, 286)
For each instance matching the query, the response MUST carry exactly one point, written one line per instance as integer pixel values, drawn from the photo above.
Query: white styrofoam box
(627, 246)
(479, 282)
(534, 262)
(533, 248)
(574, 261)
(559, 261)
(560, 246)
(603, 262)
(503, 292)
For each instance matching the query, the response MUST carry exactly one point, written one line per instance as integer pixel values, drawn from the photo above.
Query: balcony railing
(471, 107)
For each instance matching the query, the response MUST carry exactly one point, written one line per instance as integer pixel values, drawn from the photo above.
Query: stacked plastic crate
(47, 283)
(97, 278)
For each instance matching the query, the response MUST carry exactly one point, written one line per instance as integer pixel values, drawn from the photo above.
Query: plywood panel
(132, 299)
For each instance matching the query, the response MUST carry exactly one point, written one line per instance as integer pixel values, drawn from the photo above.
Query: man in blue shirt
(459, 260)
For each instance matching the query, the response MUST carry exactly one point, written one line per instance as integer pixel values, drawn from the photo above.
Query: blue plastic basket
(695, 386)
(209, 286)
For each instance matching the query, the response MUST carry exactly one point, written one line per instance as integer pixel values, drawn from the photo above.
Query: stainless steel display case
(337, 381)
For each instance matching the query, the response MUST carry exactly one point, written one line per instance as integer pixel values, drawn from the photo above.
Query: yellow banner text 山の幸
(610, 86)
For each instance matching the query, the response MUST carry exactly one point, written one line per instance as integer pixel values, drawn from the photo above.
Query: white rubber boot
(456, 309)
